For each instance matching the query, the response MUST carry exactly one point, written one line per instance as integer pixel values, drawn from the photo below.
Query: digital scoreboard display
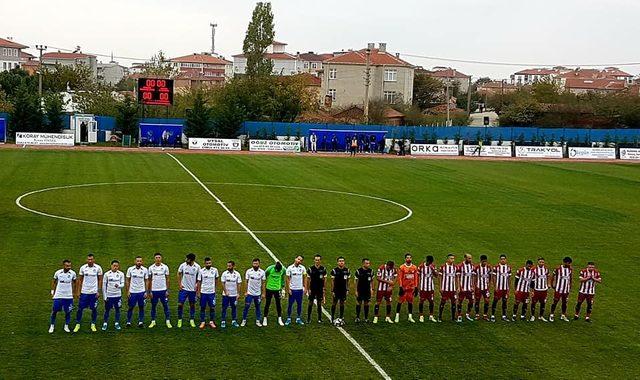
(155, 92)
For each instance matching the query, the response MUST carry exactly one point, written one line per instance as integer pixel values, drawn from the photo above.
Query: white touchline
(275, 258)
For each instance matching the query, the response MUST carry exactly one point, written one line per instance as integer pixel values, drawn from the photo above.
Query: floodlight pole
(367, 82)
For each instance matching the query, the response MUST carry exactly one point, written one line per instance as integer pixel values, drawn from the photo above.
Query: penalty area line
(344, 332)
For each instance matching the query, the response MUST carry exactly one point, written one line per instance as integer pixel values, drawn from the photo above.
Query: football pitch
(119, 205)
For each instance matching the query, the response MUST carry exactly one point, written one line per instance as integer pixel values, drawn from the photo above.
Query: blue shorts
(113, 302)
(207, 300)
(136, 299)
(160, 295)
(88, 301)
(229, 301)
(184, 294)
(62, 304)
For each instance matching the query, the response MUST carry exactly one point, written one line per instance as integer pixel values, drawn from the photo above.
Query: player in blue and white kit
(296, 285)
(89, 282)
(136, 285)
(207, 277)
(112, 284)
(230, 280)
(159, 278)
(255, 277)
(63, 287)
(188, 279)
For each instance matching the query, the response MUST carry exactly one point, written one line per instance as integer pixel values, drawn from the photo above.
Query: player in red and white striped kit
(562, 278)
(483, 282)
(501, 279)
(426, 273)
(540, 289)
(589, 277)
(386, 281)
(466, 273)
(448, 286)
(524, 277)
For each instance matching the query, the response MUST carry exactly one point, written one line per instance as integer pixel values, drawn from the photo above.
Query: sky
(542, 32)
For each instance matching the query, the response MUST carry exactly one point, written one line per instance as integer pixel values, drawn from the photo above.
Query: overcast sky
(522, 31)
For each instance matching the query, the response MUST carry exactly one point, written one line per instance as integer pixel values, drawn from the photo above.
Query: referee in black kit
(340, 276)
(316, 279)
(364, 289)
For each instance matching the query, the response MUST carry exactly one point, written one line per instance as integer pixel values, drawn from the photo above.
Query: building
(447, 74)
(202, 69)
(29, 63)
(593, 85)
(71, 59)
(578, 80)
(111, 73)
(343, 77)
(496, 87)
(10, 53)
(311, 62)
(283, 62)
(530, 76)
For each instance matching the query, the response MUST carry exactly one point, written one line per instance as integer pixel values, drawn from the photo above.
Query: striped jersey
(502, 273)
(387, 274)
(426, 273)
(448, 274)
(483, 276)
(466, 272)
(523, 279)
(589, 286)
(562, 279)
(540, 278)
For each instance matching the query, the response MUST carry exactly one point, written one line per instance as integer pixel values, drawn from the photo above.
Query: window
(333, 73)
(314, 65)
(4, 65)
(306, 65)
(332, 93)
(390, 97)
(390, 75)
(4, 51)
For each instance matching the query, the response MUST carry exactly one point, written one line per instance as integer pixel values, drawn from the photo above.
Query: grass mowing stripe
(375, 365)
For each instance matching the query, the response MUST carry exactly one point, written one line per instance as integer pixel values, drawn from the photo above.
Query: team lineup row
(458, 282)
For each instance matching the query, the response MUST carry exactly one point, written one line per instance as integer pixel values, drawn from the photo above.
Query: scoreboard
(155, 92)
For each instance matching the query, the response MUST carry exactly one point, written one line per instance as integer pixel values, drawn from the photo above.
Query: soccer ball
(338, 322)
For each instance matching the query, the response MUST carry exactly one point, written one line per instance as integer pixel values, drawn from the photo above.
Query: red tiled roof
(26, 56)
(447, 73)
(537, 72)
(310, 79)
(311, 56)
(61, 55)
(201, 58)
(608, 73)
(496, 85)
(10, 44)
(281, 56)
(359, 57)
(278, 43)
(595, 84)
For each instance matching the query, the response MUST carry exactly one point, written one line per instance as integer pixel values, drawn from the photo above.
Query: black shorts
(340, 296)
(364, 296)
(316, 295)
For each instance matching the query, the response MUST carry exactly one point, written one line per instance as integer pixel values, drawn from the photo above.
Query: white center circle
(408, 214)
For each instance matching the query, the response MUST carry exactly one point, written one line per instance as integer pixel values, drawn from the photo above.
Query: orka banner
(539, 151)
(50, 139)
(274, 146)
(593, 153)
(214, 144)
(487, 150)
(434, 150)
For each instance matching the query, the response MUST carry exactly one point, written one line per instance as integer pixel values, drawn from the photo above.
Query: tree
(27, 112)
(126, 84)
(427, 91)
(100, 101)
(199, 118)
(53, 110)
(524, 112)
(127, 116)
(258, 38)
(61, 77)
(11, 80)
(5, 104)
(159, 67)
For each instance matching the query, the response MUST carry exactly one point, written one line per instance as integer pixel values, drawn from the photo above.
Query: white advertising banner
(487, 150)
(52, 139)
(630, 153)
(434, 150)
(274, 146)
(539, 151)
(214, 144)
(593, 153)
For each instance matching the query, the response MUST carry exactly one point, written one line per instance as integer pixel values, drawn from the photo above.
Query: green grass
(589, 211)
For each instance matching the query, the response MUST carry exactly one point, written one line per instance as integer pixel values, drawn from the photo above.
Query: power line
(493, 63)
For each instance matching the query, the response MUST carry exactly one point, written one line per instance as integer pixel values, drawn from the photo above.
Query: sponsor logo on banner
(488, 150)
(57, 139)
(539, 151)
(630, 153)
(214, 144)
(593, 153)
(434, 150)
(274, 146)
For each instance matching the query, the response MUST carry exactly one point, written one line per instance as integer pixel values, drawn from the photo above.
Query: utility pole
(448, 102)
(40, 48)
(367, 82)
(469, 98)
(213, 38)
